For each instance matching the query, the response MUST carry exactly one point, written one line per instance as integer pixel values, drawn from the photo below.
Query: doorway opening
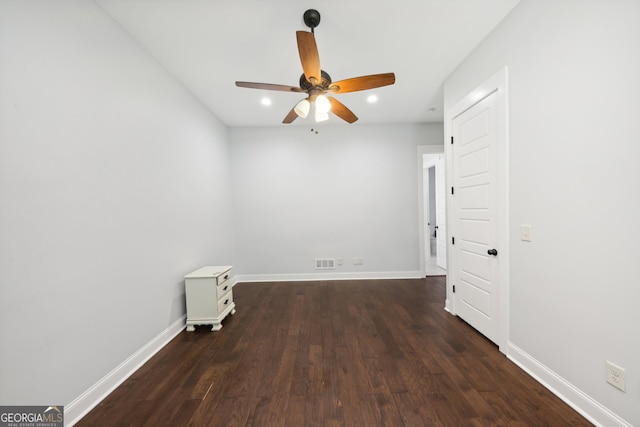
(433, 230)
(434, 215)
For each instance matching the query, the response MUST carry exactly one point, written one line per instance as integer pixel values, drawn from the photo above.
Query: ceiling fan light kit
(323, 105)
(317, 83)
(320, 116)
(302, 108)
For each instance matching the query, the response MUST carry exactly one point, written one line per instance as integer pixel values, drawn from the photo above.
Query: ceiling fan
(316, 83)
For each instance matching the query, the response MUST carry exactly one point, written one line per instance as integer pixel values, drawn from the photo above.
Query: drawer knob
(225, 288)
(226, 301)
(226, 276)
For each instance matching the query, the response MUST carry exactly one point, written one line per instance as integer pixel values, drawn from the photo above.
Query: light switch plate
(525, 232)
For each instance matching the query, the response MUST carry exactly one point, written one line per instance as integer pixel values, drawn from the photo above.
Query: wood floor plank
(259, 411)
(334, 353)
(411, 409)
(295, 412)
(345, 381)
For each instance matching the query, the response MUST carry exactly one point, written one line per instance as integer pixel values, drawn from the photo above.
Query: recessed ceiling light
(372, 98)
(265, 101)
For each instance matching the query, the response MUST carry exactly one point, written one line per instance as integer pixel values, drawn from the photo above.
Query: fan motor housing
(306, 84)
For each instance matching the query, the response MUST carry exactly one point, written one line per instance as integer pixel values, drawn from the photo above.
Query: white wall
(574, 152)
(348, 191)
(113, 185)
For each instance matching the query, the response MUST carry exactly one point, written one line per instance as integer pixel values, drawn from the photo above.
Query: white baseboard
(567, 392)
(88, 400)
(329, 276)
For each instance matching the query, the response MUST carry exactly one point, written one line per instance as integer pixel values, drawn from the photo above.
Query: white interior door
(475, 216)
(441, 215)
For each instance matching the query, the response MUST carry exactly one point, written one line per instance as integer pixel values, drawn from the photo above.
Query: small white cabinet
(209, 297)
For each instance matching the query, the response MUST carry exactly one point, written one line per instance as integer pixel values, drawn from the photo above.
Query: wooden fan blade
(309, 56)
(362, 83)
(340, 110)
(290, 117)
(269, 86)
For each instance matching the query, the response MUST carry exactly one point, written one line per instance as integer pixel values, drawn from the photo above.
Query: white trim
(422, 150)
(567, 392)
(304, 277)
(497, 83)
(84, 403)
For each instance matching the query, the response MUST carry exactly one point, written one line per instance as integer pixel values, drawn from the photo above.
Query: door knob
(492, 252)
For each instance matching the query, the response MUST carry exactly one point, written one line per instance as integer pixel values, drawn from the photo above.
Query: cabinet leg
(191, 328)
(233, 311)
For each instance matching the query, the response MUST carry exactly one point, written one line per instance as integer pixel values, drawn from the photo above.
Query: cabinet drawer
(223, 288)
(225, 302)
(224, 277)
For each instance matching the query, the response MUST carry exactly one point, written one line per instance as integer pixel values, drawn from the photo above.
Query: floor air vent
(325, 263)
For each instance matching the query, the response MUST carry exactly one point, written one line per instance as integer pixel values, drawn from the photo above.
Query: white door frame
(424, 149)
(496, 83)
(426, 194)
(441, 206)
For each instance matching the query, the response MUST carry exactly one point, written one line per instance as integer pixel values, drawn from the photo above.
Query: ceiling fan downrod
(311, 19)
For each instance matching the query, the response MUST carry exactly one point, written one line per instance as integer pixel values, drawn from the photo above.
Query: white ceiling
(209, 44)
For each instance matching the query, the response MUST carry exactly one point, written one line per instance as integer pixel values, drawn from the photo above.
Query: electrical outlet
(339, 261)
(615, 375)
(358, 261)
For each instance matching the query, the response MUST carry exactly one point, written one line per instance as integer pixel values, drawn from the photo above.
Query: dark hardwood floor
(334, 353)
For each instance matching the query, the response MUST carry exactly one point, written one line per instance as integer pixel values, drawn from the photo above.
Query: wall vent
(325, 263)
